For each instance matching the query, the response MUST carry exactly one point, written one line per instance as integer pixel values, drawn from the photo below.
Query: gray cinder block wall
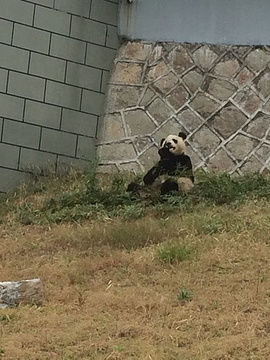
(55, 61)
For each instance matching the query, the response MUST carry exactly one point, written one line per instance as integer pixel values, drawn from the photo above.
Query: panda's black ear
(182, 135)
(162, 141)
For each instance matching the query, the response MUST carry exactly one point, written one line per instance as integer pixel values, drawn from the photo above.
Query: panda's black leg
(133, 187)
(168, 186)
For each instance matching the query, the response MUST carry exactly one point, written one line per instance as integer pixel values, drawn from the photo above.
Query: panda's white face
(175, 144)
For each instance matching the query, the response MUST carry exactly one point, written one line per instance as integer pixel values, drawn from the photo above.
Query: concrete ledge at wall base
(14, 293)
(218, 95)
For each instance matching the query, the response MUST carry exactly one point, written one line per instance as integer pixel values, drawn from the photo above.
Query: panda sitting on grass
(173, 172)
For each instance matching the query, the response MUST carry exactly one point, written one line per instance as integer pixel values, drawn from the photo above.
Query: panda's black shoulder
(183, 159)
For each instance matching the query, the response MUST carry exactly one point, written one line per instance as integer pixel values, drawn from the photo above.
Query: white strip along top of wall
(236, 22)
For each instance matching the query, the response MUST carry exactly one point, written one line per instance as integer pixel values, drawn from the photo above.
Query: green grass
(173, 253)
(80, 196)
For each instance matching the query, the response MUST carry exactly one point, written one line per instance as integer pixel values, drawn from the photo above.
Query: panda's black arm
(185, 168)
(154, 173)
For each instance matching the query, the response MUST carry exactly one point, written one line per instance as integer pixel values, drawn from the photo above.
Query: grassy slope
(139, 280)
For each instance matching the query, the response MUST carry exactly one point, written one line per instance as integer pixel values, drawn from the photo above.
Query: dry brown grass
(108, 295)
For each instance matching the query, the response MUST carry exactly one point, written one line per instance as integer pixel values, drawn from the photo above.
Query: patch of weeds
(2, 352)
(185, 295)
(173, 253)
(213, 225)
(4, 319)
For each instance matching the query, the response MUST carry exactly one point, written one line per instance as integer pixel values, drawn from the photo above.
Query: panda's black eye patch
(175, 141)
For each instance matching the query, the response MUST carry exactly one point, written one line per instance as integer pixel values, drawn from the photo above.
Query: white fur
(175, 148)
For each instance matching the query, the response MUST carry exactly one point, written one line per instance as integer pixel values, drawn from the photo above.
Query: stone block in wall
(31, 39)
(5, 31)
(26, 86)
(21, 134)
(138, 122)
(58, 142)
(104, 11)
(89, 30)
(127, 73)
(47, 3)
(258, 126)
(3, 80)
(240, 146)
(92, 102)
(13, 58)
(116, 152)
(42, 65)
(11, 107)
(51, 20)
(248, 100)
(205, 140)
(221, 162)
(111, 37)
(86, 148)
(64, 163)
(228, 121)
(79, 123)
(17, 10)
(63, 95)
(83, 76)
(81, 8)
(38, 162)
(100, 56)
(9, 156)
(120, 97)
(159, 110)
(68, 48)
(113, 128)
(204, 105)
(42, 114)
(10, 179)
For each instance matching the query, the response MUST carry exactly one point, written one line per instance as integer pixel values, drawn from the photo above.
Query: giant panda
(173, 172)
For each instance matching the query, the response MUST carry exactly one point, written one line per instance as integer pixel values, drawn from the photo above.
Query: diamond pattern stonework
(218, 95)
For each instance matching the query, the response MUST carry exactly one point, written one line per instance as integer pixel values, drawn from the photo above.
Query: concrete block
(19, 133)
(69, 49)
(37, 161)
(83, 76)
(5, 31)
(105, 81)
(88, 30)
(92, 102)
(1, 126)
(79, 123)
(47, 67)
(63, 95)
(10, 179)
(30, 38)
(112, 37)
(100, 57)
(17, 10)
(9, 156)
(11, 107)
(81, 7)
(104, 11)
(86, 148)
(65, 163)
(27, 86)
(42, 114)
(52, 20)
(47, 3)
(14, 59)
(3, 80)
(58, 142)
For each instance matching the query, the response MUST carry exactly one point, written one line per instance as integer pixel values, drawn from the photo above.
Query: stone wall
(55, 59)
(218, 95)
